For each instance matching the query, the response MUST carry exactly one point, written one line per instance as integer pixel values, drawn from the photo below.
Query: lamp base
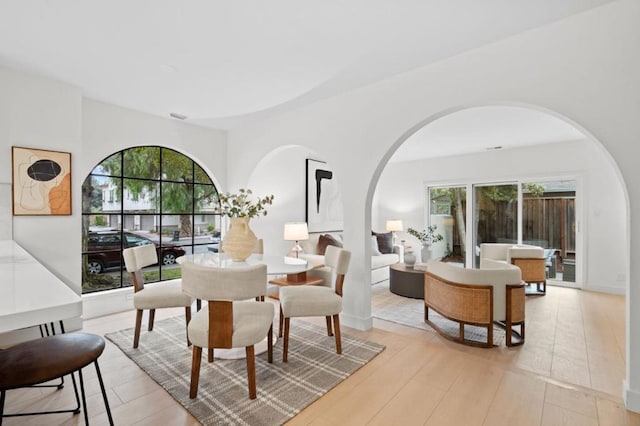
(297, 249)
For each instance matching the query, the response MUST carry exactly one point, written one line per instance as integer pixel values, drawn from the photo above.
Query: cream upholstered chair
(228, 320)
(312, 301)
(165, 294)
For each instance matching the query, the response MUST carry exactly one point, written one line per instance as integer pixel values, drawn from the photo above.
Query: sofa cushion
(385, 242)
(384, 260)
(327, 240)
(374, 246)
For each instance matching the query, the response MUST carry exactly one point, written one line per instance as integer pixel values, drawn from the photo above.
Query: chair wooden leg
(285, 344)
(270, 345)
(251, 371)
(336, 326)
(136, 333)
(195, 371)
(152, 316)
(281, 323)
(209, 354)
(187, 314)
(329, 331)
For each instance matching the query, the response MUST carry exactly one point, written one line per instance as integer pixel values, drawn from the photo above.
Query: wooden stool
(41, 360)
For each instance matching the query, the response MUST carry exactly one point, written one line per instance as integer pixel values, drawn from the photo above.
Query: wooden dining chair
(313, 301)
(165, 294)
(228, 319)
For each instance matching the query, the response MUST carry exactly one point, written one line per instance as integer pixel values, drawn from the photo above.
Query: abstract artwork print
(324, 200)
(41, 182)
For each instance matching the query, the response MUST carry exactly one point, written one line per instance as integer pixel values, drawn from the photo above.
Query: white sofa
(379, 264)
(477, 297)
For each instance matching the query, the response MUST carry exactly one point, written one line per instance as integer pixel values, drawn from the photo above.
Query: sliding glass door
(549, 221)
(448, 213)
(535, 212)
(495, 215)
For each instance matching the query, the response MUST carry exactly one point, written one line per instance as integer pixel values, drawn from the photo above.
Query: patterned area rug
(283, 389)
(407, 311)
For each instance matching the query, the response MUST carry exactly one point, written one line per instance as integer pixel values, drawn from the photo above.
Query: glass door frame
(580, 231)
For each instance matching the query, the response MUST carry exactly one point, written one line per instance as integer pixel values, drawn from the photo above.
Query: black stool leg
(84, 399)
(2, 392)
(75, 390)
(104, 393)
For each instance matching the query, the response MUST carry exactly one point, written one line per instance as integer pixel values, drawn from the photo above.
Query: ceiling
(485, 128)
(224, 63)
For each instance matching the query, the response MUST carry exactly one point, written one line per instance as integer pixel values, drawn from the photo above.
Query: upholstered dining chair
(312, 301)
(229, 319)
(165, 294)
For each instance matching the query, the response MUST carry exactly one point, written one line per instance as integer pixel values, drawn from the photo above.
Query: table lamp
(393, 226)
(296, 231)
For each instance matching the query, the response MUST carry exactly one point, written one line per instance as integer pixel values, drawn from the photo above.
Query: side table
(407, 282)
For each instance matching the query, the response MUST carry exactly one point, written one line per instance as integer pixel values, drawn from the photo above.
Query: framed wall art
(41, 182)
(324, 200)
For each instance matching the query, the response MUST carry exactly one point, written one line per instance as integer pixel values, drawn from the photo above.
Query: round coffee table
(407, 282)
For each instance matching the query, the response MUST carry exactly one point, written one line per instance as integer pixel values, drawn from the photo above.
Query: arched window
(145, 195)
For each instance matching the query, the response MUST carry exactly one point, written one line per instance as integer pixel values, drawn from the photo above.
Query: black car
(105, 250)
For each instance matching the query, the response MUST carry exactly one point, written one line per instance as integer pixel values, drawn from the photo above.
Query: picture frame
(40, 182)
(323, 211)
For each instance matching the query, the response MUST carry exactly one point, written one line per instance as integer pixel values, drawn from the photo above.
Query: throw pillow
(327, 240)
(374, 246)
(385, 242)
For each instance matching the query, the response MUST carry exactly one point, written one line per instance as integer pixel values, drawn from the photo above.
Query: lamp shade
(394, 225)
(296, 231)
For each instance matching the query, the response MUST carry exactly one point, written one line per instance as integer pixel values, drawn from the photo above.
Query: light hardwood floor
(569, 372)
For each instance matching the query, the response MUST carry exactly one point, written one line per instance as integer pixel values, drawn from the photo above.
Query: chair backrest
(235, 283)
(338, 259)
(136, 258)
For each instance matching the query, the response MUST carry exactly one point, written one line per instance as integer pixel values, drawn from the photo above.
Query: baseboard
(363, 324)
(107, 302)
(631, 398)
(609, 289)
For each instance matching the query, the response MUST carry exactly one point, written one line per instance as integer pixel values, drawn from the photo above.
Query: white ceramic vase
(240, 241)
(409, 259)
(425, 253)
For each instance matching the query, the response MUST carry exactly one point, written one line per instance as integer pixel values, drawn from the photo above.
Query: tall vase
(240, 240)
(425, 253)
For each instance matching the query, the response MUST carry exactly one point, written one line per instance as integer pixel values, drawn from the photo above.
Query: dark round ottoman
(407, 282)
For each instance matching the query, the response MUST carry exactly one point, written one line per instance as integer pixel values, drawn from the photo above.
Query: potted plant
(240, 240)
(426, 237)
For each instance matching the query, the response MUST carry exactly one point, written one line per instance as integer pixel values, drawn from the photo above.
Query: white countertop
(30, 294)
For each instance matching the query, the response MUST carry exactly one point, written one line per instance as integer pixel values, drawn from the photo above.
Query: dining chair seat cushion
(165, 294)
(251, 322)
(305, 301)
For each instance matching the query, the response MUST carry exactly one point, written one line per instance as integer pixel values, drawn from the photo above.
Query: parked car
(214, 239)
(104, 249)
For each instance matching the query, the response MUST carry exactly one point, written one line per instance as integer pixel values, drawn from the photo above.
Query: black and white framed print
(324, 200)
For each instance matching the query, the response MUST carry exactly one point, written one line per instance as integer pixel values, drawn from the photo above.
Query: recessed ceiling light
(178, 116)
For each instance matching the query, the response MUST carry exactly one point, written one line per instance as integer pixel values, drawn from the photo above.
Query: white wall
(107, 129)
(281, 173)
(585, 69)
(44, 114)
(602, 196)
(41, 113)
